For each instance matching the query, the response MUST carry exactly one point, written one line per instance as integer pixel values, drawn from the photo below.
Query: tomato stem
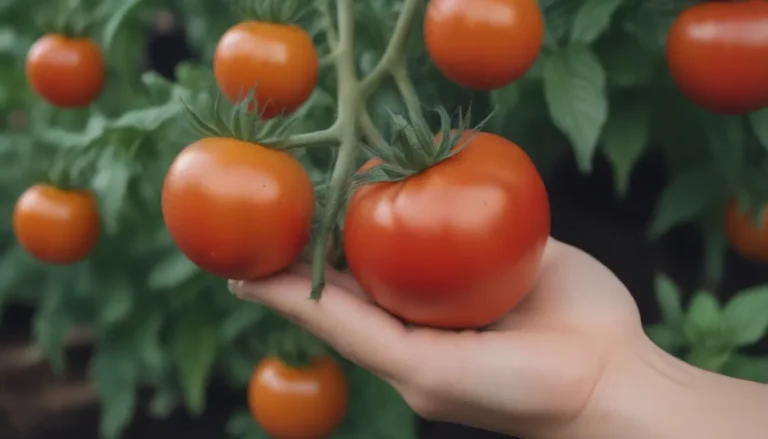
(407, 90)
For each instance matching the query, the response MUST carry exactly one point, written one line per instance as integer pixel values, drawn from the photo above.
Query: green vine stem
(353, 116)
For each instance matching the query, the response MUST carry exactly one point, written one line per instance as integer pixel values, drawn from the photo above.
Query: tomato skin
(483, 44)
(236, 209)
(66, 72)
(718, 55)
(744, 235)
(279, 60)
(56, 226)
(456, 246)
(298, 402)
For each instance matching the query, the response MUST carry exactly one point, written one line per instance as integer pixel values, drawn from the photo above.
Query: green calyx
(414, 148)
(295, 347)
(70, 19)
(241, 122)
(272, 11)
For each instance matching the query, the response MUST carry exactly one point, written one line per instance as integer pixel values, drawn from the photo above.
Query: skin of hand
(571, 361)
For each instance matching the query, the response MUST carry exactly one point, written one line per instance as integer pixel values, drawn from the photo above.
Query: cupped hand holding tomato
(483, 44)
(718, 55)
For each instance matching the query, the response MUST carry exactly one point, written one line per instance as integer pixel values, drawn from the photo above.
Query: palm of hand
(532, 372)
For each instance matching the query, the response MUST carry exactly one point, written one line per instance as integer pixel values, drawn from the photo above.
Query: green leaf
(625, 137)
(592, 19)
(118, 301)
(116, 377)
(164, 402)
(244, 318)
(684, 199)
(746, 316)
(725, 135)
(670, 301)
(747, 368)
(627, 62)
(51, 324)
(148, 119)
(194, 350)
(712, 360)
(376, 410)
(666, 337)
(242, 426)
(110, 183)
(704, 320)
(575, 91)
(172, 272)
(115, 21)
(759, 122)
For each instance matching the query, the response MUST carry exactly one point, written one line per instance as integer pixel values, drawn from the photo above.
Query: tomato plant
(483, 44)
(456, 245)
(278, 60)
(718, 55)
(302, 402)
(67, 72)
(237, 209)
(56, 226)
(746, 235)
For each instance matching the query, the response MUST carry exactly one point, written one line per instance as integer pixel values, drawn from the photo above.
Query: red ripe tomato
(483, 44)
(298, 402)
(56, 226)
(457, 245)
(718, 55)
(747, 238)
(67, 72)
(237, 209)
(279, 60)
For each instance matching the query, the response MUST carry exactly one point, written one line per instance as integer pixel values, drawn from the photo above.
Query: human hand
(561, 365)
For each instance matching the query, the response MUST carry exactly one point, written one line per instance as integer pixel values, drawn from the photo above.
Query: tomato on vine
(748, 238)
(718, 55)
(278, 60)
(56, 226)
(298, 402)
(483, 44)
(68, 72)
(455, 241)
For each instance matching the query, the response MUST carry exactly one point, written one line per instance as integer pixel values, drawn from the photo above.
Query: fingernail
(233, 287)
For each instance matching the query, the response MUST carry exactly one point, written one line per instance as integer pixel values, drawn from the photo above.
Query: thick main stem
(349, 102)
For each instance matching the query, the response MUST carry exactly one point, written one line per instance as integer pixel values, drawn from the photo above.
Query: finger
(359, 331)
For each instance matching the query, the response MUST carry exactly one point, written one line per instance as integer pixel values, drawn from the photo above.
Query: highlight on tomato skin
(237, 209)
(483, 44)
(56, 226)
(717, 54)
(307, 402)
(279, 61)
(66, 72)
(456, 246)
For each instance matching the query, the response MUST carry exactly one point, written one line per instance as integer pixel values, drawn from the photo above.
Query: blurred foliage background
(599, 91)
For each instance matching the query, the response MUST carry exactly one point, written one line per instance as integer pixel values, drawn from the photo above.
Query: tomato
(745, 236)
(66, 72)
(457, 245)
(56, 226)
(298, 402)
(483, 44)
(718, 55)
(237, 209)
(279, 60)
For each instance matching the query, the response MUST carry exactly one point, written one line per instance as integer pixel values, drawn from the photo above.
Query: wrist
(645, 392)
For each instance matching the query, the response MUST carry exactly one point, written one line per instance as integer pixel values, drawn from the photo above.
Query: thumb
(358, 330)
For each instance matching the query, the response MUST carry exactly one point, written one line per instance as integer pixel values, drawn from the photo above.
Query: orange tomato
(483, 44)
(298, 402)
(456, 246)
(237, 209)
(56, 226)
(279, 60)
(66, 72)
(747, 238)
